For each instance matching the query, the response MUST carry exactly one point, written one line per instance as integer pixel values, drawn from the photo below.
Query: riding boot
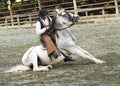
(53, 54)
(68, 58)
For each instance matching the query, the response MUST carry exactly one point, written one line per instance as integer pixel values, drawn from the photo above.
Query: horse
(37, 58)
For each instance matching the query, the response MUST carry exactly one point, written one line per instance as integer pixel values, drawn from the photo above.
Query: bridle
(69, 17)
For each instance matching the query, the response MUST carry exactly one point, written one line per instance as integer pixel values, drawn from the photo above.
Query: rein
(65, 27)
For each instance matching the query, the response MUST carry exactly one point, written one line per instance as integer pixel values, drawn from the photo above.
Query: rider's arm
(39, 30)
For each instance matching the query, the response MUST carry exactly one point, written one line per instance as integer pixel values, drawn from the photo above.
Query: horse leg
(45, 68)
(35, 64)
(81, 52)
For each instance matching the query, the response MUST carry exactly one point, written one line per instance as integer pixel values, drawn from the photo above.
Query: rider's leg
(43, 44)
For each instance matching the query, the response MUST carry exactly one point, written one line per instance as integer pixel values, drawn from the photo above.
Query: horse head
(65, 19)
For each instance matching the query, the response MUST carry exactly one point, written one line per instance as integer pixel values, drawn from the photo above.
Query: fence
(87, 12)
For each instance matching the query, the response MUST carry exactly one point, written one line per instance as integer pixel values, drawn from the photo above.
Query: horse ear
(62, 10)
(59, 11)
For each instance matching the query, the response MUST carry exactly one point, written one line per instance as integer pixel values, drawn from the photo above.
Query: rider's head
(43, 13)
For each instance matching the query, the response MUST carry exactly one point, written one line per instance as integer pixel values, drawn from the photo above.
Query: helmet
(43, 13)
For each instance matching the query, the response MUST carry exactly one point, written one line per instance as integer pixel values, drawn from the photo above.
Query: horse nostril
(76, 18)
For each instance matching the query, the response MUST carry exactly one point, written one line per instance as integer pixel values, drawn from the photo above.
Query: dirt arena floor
(102, 40)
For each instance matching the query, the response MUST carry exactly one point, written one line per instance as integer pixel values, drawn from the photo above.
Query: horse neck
(58, 25)
(64, 33)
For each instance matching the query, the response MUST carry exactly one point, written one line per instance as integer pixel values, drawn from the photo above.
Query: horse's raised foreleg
(81, 52)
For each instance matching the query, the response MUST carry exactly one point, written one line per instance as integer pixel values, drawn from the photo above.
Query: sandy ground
(102, 40)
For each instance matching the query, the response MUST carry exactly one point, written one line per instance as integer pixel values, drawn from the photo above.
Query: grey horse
(65, 41)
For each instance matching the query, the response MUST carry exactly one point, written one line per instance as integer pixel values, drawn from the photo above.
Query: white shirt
(40, 30)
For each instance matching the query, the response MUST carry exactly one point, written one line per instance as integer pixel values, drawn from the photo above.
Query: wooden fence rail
(87, 13)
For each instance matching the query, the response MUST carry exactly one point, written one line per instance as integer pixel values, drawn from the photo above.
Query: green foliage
(16, 4)
(1, 4)
(32, 1)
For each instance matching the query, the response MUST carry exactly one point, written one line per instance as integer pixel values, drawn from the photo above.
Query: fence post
(30, 20)
(6, 24)
(75, 7)
(116, 7)
(39, 4)
(103, 13)
(10, 10)
(18, 21)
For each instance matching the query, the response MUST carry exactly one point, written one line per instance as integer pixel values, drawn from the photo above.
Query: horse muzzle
(76, 18)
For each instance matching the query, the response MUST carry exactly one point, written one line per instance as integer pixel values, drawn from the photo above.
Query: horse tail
(21, 67)
(18, 68)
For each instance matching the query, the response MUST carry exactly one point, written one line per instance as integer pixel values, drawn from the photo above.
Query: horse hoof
(103, 61)
(100, 62)
(50, 66)
(41, 69)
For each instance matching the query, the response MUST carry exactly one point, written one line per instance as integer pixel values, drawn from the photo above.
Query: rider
(43, 27)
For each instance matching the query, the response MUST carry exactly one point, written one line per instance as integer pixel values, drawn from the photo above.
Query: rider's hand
(47, 27)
